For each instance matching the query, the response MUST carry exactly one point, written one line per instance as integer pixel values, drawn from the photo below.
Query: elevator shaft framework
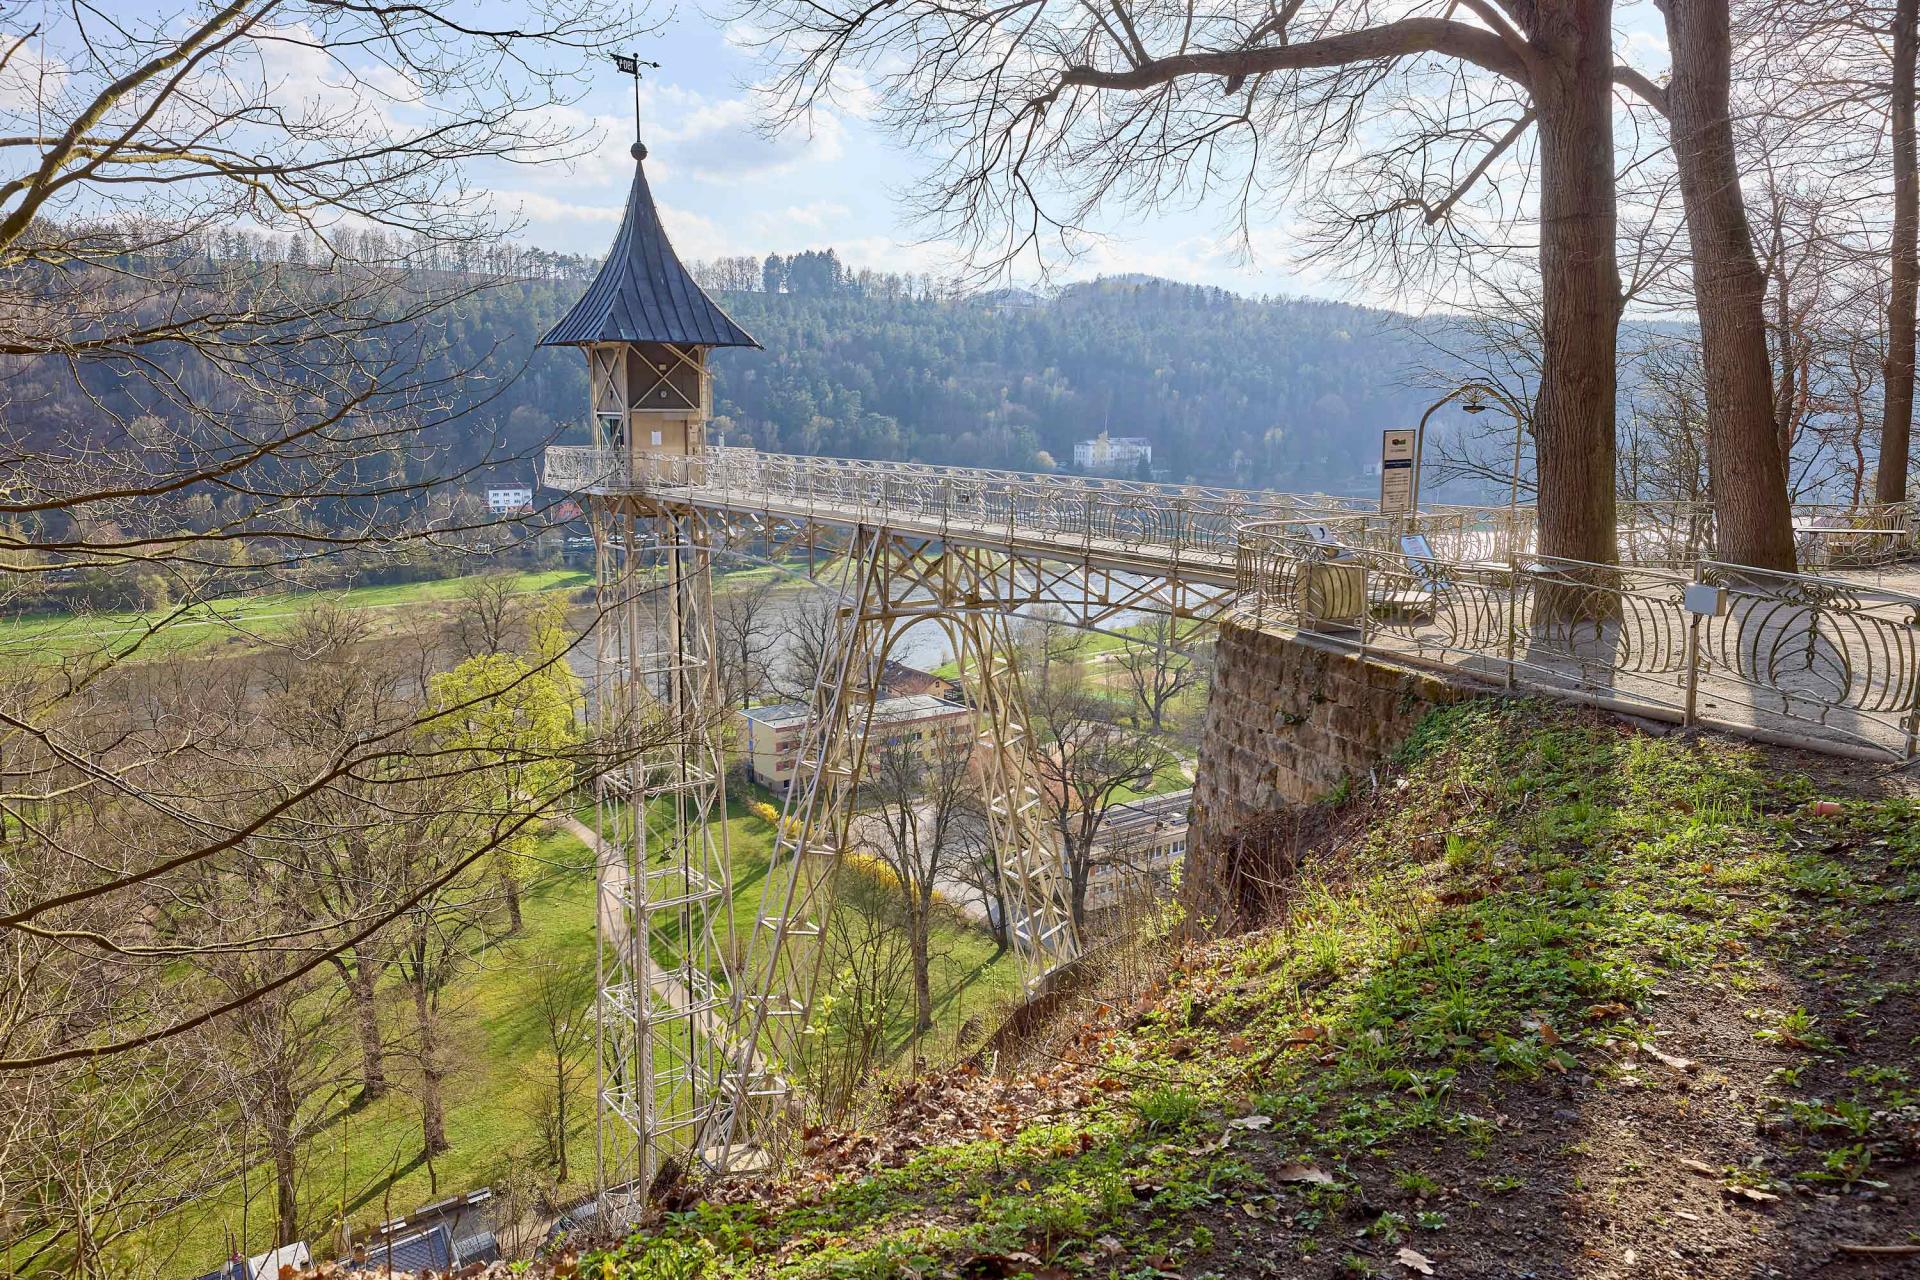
(705, 1031)
(664, 878)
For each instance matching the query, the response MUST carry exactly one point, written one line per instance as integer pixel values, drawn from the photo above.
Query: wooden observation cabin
(647, 329)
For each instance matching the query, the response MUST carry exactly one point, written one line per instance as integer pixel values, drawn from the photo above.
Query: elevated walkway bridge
(1830, 662)
(1827, 661)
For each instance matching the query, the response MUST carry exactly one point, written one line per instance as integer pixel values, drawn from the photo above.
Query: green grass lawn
(366, 1162)
(240, 620)
(828, 569)
(1171, 776)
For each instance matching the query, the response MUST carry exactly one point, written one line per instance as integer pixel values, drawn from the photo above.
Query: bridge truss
(705, 1013)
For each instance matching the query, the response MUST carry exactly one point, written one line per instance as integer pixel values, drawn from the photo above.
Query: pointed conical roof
(643, 294)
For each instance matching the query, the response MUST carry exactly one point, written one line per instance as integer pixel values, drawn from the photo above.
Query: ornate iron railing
(1652, 534)
(1817, 659)
(1836, 659)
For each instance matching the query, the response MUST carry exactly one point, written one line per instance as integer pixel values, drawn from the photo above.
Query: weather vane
(629, 65)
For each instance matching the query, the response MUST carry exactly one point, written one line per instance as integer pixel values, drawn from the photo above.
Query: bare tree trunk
(279, 1122)
(1753, 520)
(510, 890)
(433, 1121)
(358, 976)
(1896, 422)
(1580, 279)
(1079, 872)
(919, 931)
(560, 1118)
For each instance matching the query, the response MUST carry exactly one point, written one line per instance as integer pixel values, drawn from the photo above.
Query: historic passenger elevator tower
(664, 885)
(701, 1027)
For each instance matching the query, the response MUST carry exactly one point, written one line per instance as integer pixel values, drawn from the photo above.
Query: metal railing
(1655, 534)
(1824, 658)
(1820, 661)
(1159, 522)
(1652, 533)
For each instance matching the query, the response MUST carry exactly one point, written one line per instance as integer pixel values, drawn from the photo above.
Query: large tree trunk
(1896, 422)
(1079, 872)
(510, 890)
(358, 977)
(1753, 519)
(366, 1017)
(1580, 283)
(279, 1122)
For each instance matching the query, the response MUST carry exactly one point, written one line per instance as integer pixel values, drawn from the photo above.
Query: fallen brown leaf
(1414, 1260)
(1302, 1173)
(1684, 1066)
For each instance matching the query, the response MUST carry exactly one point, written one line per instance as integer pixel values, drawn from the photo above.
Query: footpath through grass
(1561, 999)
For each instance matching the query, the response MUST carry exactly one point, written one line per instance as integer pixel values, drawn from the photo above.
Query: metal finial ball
(639, 151)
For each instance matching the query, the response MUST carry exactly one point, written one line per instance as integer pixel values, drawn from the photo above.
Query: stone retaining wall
(1286, 721)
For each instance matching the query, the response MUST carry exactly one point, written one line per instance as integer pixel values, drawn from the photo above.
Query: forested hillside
(1287, 393)
(1284, 393)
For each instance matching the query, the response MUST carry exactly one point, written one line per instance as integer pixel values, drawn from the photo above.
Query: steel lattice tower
(664, 887)
(699, 1030)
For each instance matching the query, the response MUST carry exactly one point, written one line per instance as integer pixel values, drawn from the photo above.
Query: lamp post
(1473, 395)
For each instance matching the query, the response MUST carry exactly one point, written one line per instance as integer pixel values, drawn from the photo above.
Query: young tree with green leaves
(518, 720)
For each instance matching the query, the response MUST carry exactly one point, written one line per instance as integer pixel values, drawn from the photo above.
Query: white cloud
(1649, 52)
(535, 206)
(29, 79)
(696, 236)
(819, 215)
(853, 94)
(722, 139)
(743, 35)
(297, 73)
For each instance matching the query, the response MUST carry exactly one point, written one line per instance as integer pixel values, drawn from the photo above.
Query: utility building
(770, 736)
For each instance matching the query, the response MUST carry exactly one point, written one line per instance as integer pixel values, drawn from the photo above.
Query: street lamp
(1473, 396)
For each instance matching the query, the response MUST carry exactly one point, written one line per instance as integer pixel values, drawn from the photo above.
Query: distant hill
(1286, 393)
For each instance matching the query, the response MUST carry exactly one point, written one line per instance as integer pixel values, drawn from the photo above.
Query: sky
(726, 188)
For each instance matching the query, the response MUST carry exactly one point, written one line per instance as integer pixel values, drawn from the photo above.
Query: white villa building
(1113, 453)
